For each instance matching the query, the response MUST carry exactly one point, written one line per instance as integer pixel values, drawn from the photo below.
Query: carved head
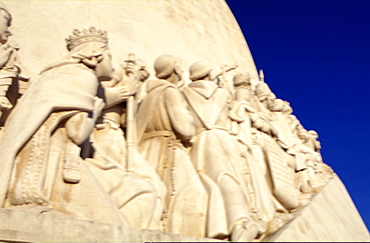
(303, 135)
(243, 94)
(90, 47)
(242, 80)
(166, 65)
(276, 105)
(263, 91)
(5, 22)
(200, 71)
(313, 134)
(143, 70)
(287, 108)
(242, 84)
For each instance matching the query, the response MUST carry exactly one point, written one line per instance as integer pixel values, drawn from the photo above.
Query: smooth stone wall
(192, 30)
(331, 216)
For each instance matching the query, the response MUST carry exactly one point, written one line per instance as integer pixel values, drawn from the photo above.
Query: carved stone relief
(190, 157)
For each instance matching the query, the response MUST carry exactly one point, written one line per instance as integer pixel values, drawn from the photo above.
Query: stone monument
(147, 121)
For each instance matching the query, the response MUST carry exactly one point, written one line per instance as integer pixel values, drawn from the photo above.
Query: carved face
(243, 94)
(303, 136)
(104, 69)
(4, 26)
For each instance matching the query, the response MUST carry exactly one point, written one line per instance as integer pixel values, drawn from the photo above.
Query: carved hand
(4, 103)
(132, 68)
(123, 92)
(4, 55)
(99, 105)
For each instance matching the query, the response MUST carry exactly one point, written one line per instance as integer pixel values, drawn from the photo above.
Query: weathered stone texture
(331, 216)
(192, 30)
(32, 227)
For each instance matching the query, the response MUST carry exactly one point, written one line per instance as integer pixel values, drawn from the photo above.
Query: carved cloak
(214, 157)
(263, 203)
(66, 86)
(162, 119)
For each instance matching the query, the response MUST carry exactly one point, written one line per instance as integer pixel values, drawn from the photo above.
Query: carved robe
(41, 168)
(163, 121)
(214, 157)
(9, 75)
(138, 195)
(281, 164)
(261, 200)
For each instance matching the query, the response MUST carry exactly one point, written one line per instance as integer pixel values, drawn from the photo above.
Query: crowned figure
(41, 169)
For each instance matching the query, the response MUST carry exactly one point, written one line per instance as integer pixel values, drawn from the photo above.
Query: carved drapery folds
(211, 157)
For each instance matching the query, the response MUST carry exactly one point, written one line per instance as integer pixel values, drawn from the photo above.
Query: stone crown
(86, 35)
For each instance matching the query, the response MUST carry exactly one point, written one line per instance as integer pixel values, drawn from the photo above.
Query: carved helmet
(199, 70)
(276, 105)
(242, 79)
(263, 91)
(313, 133)
(165, 65)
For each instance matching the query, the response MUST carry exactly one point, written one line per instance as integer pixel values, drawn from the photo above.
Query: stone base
(331, 216)
(20, 226)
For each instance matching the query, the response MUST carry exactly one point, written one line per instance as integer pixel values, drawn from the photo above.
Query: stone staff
(224, 70)
(130, 120)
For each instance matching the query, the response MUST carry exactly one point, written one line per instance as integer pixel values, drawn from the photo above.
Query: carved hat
(165, 65)
(199, 70)
(263, 91)
(87, 35)
(242, 79)
(287, 108)
(313, 133)
(5, 8)
(276, 105)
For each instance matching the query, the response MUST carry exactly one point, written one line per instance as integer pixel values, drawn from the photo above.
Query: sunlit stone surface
(184, 141)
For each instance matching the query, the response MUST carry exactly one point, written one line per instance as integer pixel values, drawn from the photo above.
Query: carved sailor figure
(10, 66)
(164, 123)
(215, 159)
(264, 206)
(139, 195)
(41, 168)
(281, 164)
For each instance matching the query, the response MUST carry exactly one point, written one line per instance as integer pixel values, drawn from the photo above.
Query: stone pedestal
(18, 226)
(331, 216)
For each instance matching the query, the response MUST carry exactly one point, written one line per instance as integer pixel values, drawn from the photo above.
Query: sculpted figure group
(193, 159)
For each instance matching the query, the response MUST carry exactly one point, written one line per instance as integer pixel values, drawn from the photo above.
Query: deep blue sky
(316, 55)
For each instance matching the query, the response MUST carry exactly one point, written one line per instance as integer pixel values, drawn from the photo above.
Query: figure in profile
(164, 125)
(138, 195)
(252, 127)
(10, 67)
(41, 167)
(214, 157)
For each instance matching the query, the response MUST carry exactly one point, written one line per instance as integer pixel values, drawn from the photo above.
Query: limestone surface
(148, 121)
(331, 216)
(192, 30)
